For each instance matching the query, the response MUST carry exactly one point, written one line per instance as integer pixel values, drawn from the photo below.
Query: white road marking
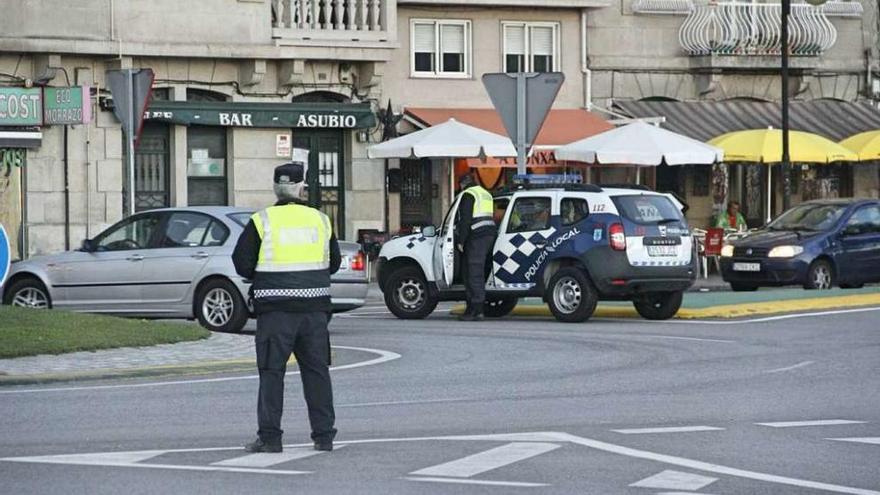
(675, 480)
(869, 440)
(669, 429)
(384, 356)
(820, 422)
(793, 367)
(681, 338)
(473, 465)
(132, 460)
(264, 460)
(477, 482)
(526, 437)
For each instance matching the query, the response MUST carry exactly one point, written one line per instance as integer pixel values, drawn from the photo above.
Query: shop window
(440, 48)
(530, 46)
(206, 168)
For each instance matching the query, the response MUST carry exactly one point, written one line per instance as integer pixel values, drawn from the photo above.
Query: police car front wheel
(658, 305)
(572, 297)
(407, 294)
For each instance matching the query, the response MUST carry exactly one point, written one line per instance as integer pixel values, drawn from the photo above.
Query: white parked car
(166, 263)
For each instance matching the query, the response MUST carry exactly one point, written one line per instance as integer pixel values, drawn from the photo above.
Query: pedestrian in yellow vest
(289, 251)
(475, 234)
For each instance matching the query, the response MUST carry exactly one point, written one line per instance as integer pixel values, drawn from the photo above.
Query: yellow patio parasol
(765, 146)
(866, 144)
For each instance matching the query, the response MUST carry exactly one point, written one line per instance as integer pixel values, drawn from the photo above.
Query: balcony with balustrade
(361, 24)
(748, 35)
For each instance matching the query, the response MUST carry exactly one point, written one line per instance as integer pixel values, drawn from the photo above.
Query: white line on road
(154, 466)
(793, 367)
(868, 440)
(820, 422)
(675, 480)
(681, 338)
(473, 465)
(477, 482)
(384, 356)
(264, 460)
(766, 318)
(669, 429)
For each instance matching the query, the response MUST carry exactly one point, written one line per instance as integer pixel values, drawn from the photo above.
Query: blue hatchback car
(817, 244)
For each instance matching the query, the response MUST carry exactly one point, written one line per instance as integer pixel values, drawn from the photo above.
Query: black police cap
(289, 173)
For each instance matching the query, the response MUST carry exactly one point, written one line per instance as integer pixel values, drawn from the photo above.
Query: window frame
(563, 199)
(527, 41)
(153, 242)
(437, 72)
(511, 208)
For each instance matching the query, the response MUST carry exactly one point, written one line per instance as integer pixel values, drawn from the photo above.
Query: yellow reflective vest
(484, 205)
(294, 238)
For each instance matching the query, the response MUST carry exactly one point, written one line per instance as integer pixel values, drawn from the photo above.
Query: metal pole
(520, 123)
(786, 159)
(130, 143)
(66, 193)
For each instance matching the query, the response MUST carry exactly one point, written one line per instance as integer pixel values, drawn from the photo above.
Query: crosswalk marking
(870, 440)
(265, 460)
(473, 465)
(669, 429)
(821, 422)
(675, 480)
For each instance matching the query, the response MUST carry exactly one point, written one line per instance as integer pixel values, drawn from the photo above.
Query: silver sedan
(167, 263)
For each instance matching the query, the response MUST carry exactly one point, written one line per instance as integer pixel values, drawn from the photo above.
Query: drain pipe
(585, 70)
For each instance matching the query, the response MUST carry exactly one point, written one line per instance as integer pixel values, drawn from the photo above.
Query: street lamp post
(785, 166)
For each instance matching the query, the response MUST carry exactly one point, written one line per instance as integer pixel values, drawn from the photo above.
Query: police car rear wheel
(220, 308)
(572, 297)
(496, 308)
(658, 305)
(407, 295)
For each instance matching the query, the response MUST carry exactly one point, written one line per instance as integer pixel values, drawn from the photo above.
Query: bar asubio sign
(278, 115)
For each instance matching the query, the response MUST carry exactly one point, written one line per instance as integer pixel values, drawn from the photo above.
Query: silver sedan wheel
(567, 295)
(822, 277)
(31, 297)
(217, 307)
(411, 294)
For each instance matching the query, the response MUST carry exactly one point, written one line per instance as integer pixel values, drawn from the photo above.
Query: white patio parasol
(451, 139)
(643, 144)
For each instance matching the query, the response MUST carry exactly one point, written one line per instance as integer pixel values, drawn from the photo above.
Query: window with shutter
(514, 48)
(440, 48)
(452, 48)
(542, 48)
(423, 47)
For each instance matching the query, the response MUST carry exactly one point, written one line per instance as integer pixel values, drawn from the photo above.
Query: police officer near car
(289, 250)
(475, 234)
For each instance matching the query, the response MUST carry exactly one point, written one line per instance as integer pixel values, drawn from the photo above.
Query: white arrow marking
(821, 422)
(264, 460)
(675, 480)
(473, 465)
(870, 440)
(669, 429)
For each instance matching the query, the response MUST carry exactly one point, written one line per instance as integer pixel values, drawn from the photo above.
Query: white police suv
(571, 245)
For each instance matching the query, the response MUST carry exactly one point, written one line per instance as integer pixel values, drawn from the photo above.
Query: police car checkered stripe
(518, 250)
(303, 293)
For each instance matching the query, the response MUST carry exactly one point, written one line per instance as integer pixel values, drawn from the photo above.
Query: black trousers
(305, 335)
(476, 252)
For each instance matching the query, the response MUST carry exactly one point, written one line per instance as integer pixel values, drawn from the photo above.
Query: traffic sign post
(131, 96)
(523, 101)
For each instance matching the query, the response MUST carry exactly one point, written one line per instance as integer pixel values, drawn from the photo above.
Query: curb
(726, 311)
(203, 368)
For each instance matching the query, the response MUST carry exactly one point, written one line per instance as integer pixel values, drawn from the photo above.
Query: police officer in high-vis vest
(475, 234)
(289, 251)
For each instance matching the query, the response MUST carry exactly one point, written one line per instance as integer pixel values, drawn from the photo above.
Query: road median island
(29, 332)
(725, 305)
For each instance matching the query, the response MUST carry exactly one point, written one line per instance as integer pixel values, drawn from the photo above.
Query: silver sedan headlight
(785, 251)
(726, 251)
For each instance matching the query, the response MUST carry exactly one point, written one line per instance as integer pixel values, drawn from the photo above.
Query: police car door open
(520, 248)
(444, 249)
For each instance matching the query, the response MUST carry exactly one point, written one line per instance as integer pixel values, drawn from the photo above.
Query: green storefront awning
(244, 114)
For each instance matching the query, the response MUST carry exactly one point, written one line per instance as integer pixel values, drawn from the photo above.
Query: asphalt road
(777, 406)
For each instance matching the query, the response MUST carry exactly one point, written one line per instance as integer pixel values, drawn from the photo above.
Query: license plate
(747, 267)
(662, 250)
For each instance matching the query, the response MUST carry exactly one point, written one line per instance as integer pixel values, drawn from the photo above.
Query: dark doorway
(415, 193)
(151, 168)
(326, 172)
